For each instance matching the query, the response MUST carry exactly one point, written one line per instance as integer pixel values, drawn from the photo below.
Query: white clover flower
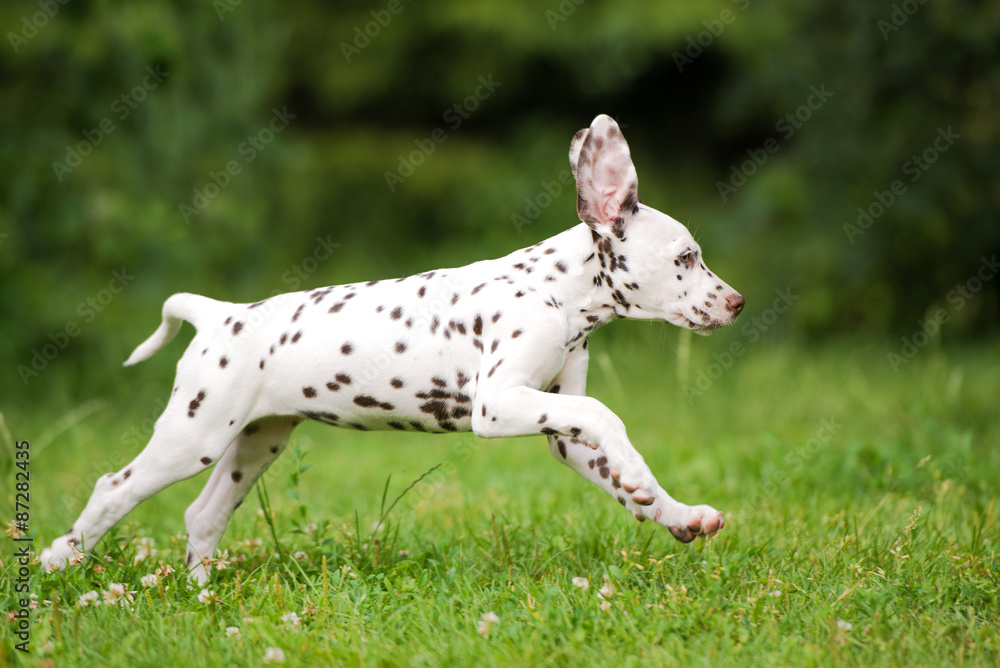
(13, 530)
(775, 594)
(232, 631)
(221, 560)
(145, 549)
(582, 583)
(291, 618)
(844, 626)
(207, 596)
(90, 598)
(149, 580)
(114, 593)
(488, 621)
(300, 556)
(274, 655)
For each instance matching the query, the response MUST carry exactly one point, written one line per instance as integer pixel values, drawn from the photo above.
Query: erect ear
(606, 183)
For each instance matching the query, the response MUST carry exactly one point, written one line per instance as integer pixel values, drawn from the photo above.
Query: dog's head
(667, 275)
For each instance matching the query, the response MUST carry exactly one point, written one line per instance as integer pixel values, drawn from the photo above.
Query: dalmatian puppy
(498, 347)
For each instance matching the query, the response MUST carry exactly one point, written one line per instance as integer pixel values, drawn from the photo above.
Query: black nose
(734, 303)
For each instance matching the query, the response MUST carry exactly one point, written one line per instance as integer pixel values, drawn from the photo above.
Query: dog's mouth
(703, 328)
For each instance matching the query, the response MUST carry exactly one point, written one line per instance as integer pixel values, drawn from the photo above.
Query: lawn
(861, 527)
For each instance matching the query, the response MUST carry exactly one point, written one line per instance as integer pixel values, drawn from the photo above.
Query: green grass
(861, 529)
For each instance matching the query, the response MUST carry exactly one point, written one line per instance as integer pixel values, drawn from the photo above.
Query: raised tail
(180, 307)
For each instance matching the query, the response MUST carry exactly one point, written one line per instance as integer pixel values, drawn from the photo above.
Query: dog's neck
(591, 283)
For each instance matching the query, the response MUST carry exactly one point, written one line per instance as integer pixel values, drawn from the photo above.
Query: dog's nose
(734, 303)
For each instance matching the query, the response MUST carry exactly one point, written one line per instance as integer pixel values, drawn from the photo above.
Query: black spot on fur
(438, 409)
(274, 449)
(309, 392)
(343, 378)
(396, 382)
(400, 347)
(223, 362)
(298, 335)
(284, 337)
(346, 349)
(496, 316)
(195, 403)
(321, 416)
(336, 307)
(562, 447)
(440, 382)
(251, 429)
(237, 327)
(516, 333)
(549, 431)
(365, 401)
(477, 325)
(333, 387)
(396, 313)
(237, 476)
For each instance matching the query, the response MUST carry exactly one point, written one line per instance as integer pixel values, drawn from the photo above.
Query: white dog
(498, 347)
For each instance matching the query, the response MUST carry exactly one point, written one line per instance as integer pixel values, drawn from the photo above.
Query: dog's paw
(699, 521)
(56, 557)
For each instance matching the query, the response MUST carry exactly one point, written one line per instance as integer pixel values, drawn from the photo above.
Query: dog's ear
(606, 182)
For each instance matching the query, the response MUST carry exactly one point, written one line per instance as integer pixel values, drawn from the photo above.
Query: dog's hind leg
(191, 435)
(253, 451)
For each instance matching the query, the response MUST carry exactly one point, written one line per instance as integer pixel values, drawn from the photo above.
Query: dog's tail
(180, 307)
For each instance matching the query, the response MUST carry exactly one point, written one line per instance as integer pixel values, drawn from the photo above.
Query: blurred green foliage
(117, 115)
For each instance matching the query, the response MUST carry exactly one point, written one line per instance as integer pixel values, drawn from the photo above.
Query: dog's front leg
(589, 438)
